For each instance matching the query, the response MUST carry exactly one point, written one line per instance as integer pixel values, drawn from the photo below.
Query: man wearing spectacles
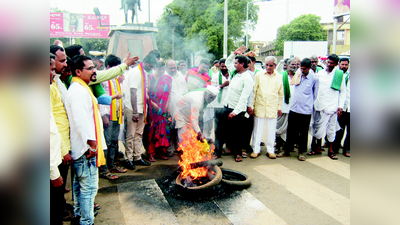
(268, 95)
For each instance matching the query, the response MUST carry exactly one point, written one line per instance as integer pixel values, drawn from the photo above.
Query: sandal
(108, 176)
(96, 206)
(117, 169)
(226, 152)
(332, 155)
(244, 154)
(238, 158)
(301, 157)
(347, 154)
(151, 158)
(314, 153)
(281, 154)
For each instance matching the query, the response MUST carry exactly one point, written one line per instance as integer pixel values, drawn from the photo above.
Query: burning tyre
(214, 176)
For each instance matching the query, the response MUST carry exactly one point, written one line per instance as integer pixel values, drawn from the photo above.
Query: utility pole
(149, 11)
(225, 54)
(173, 43)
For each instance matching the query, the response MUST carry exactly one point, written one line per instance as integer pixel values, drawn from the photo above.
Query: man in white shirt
(344, 119)
(135, 110)
(328, 105)
(221, 81)
(188, 110)
(235, 105)
(84, 138)
(178, 88)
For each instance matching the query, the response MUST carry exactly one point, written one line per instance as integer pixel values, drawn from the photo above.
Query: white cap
(212, 90)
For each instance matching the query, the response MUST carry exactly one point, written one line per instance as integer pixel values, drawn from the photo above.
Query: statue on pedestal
(132, 5)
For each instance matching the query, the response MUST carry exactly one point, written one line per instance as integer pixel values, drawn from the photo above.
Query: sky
(272, 14)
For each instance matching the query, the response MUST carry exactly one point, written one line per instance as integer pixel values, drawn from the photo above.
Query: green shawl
(337, 80)
(286, 88)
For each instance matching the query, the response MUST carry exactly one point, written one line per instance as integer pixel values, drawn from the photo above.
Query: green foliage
(199, 26)
(302, 28)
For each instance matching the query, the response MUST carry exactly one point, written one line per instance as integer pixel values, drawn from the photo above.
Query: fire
(193, 151)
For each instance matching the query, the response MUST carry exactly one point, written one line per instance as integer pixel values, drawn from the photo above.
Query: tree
(189, 26)
(302, 28)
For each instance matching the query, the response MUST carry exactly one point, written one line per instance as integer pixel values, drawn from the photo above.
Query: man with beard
(282, 121)
(60, 117)
(301, 108)
(328, 105)
(344, 119)
(221, 81)
(314, 64)
(86, 142)
(177, 90)
(199, 77)
(57, 200)
(135, 110)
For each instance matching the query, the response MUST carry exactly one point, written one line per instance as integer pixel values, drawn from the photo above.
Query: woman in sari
(159, 94)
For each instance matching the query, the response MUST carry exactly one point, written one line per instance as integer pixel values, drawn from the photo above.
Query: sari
(159, 92)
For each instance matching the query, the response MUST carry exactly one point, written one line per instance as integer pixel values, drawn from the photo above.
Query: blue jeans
(85, 185)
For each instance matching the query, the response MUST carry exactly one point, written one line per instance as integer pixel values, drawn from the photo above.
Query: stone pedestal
(139, 39)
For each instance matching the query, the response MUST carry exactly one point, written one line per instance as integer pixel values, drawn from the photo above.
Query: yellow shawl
(96, 115)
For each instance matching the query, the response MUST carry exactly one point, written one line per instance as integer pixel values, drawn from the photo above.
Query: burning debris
(194, 153)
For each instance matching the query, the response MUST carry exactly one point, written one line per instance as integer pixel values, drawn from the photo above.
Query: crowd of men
(97, 102)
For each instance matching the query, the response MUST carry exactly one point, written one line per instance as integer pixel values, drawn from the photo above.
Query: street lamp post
(247, 19)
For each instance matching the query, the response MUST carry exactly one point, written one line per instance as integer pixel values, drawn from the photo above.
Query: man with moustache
(86, 142)
(314, 64)
(235, 106)
(344, 119)
(282, 121)
(135, 110)
(199, 77)
(57, 200)
(182, 67)
(328, 105)
(221, 81)
(301, 109)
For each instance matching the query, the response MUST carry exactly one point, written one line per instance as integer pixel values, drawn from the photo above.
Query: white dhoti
(281, 125)
(208, 122)
(258, 130)
(324, 123)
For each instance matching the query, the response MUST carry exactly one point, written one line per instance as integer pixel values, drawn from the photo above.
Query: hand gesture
(131, 60)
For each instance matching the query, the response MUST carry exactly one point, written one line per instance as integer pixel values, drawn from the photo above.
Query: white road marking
(324, 199)
(334, 166)
(246, 209)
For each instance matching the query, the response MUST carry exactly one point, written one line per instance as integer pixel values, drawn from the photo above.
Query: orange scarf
(97, 120)
(113, 106)
(144, 90)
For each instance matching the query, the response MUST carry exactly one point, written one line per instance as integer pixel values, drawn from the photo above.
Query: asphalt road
(283, 191)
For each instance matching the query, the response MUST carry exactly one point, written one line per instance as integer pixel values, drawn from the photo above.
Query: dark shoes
(129, 165)
(141, 162)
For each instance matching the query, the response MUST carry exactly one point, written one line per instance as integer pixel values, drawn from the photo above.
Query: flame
(193, 151)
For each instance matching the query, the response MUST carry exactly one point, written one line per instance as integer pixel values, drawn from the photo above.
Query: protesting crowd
(147, 104)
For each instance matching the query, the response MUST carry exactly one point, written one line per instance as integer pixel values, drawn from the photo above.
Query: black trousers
(297, 131)
(344, 122)
(57, 201)
(236, 131)
(219, 131)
